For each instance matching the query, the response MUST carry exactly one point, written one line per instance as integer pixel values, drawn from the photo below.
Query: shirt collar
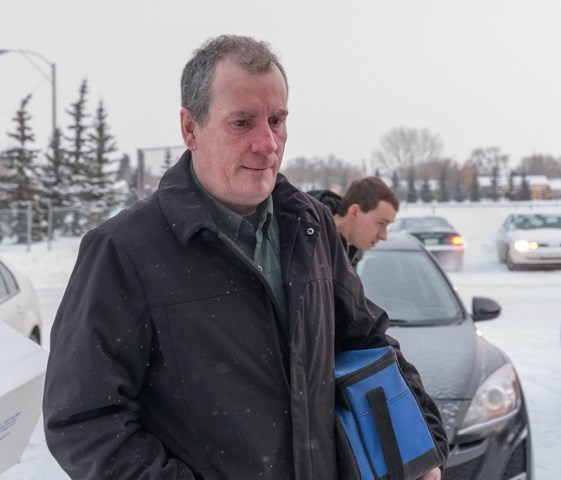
(229, 221)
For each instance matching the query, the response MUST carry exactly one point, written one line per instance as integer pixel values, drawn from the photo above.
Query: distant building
(555, 188)
(540, 186)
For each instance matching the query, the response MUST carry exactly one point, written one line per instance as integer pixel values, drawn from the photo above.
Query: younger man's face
(368, 228)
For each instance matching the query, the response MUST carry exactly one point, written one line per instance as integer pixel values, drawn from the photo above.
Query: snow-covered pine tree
(56, 180)
(19, 176)
(426, 192)
(76, 152)
(474, 192)
(167, 161)
(443, 192)
(105, 194)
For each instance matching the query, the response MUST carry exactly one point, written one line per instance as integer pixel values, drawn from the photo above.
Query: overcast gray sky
(479, 73)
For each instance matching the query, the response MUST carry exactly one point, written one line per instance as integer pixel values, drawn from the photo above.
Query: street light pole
(52, 77)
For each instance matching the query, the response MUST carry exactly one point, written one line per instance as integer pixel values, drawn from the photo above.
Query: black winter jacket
(332, 201)
(167, 350)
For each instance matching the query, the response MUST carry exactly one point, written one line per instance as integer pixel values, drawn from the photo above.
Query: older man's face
(238, 152)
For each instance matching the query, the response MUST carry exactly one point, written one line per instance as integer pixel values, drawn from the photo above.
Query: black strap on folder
(381, 413)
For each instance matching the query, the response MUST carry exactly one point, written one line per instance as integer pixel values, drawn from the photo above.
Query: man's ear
(188, 125)
(353, 210)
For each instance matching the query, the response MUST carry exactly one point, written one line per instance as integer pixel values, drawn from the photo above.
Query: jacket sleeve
(361, 323)
(101, 345)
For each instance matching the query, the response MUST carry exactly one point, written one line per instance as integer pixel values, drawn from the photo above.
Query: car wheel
(510, 264)
(35, 335)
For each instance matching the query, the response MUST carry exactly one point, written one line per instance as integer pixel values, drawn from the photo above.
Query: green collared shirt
(257, 235)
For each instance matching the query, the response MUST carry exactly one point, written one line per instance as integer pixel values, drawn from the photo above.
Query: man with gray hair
(197, 335)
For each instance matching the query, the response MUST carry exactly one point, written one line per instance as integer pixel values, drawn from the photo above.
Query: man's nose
(264, 141)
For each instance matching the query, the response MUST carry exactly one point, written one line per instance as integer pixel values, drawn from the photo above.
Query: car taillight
(456, 240)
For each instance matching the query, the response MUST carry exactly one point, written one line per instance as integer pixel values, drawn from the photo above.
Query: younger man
(363, 215)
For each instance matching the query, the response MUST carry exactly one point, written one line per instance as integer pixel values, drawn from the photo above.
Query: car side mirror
(484, 308)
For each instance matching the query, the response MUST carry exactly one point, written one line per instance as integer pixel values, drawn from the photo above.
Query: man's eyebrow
(243, 113)
(280, 112)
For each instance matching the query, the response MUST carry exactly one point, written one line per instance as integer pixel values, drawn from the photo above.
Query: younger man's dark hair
(367, 192)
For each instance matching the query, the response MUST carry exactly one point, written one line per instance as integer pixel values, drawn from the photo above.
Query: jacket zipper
(243, 257)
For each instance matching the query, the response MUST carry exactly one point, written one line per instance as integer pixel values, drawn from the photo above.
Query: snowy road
(528, 330)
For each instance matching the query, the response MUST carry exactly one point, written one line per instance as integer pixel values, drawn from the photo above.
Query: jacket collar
(187, 213)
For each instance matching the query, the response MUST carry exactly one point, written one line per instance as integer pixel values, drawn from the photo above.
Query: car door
(11, 310)
(503, 237)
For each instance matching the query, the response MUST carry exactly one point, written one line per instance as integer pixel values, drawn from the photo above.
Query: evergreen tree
(474, 192)
(125, 170)
(458, 191)
(56, 174)
(525, 192)
(167, 160)
(79, 130)
(77, 154)
(495, 183)
(56, 181)
(19, 175)
(395, 181)
(411, 189)
(102, 194)
(132, 183)
(443, 194)
(511, 194)
(426, 193)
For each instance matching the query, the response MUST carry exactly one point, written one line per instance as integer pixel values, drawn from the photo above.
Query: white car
(19, 306)
(530, 240)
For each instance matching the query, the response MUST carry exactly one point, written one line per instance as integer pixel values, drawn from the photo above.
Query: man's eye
(240, 123)
(277, 121)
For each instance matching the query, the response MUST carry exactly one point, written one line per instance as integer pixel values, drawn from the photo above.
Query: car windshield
(425, 223)
(409, 286)
(530, 222)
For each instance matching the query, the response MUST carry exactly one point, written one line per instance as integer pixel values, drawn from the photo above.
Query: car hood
(538, 234)
(416, 231)
(452, 360)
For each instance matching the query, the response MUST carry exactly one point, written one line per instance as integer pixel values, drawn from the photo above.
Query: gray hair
(252, 55)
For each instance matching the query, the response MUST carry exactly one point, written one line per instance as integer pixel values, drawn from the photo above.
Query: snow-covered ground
(528, 329)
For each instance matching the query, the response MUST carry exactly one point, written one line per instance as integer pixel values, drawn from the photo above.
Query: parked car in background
(530, 240)
(19, 306)
(439, 237)
(473, 382)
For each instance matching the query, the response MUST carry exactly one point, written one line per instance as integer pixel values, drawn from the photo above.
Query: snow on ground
(528, 329)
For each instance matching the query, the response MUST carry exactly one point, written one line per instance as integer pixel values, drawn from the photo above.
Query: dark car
(473, 382)
(438, 235)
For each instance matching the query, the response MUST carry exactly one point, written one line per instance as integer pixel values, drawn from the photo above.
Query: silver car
(19, 306)
(530, 240)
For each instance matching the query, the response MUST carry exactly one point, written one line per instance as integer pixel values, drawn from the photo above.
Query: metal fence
(34, 223)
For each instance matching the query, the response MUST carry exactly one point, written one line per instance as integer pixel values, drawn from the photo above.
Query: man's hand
(432, 475)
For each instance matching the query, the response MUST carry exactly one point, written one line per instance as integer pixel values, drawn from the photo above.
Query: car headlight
(497, 400)
(524, 245)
